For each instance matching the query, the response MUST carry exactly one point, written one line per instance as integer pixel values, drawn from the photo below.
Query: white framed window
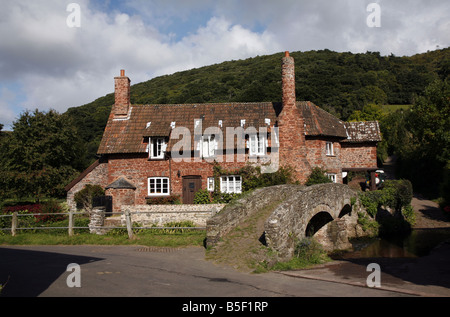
(257, 145)
(210, 184)
(158, 186)
(332, 177)
(330, 149)
(231, 184)
(209, 146)
(158, 147)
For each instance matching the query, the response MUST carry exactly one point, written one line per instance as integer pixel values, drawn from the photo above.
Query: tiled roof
(128, 135)
(368, 131)
(318, 122)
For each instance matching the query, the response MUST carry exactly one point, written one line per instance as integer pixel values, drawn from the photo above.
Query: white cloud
(60, 67)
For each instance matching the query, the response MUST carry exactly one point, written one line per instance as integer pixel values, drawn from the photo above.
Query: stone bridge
(329, 212)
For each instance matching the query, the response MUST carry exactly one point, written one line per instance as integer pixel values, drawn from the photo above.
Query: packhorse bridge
(329, 212)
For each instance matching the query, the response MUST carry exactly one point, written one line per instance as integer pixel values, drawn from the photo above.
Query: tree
(424, 154)
(40, 155)
(370, 112)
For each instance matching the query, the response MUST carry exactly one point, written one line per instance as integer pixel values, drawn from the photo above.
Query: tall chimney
(288, 80)
(292, 151)
(122, 94)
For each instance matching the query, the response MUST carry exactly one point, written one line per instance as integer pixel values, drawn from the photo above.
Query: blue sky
(45, 64)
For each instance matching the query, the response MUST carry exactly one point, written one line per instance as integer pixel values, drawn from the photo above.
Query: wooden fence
(71, 227)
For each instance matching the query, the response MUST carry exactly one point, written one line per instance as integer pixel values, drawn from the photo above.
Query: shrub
(202, 197)
(317, 176)
(86, 196)
(164, 200)
(49, 208)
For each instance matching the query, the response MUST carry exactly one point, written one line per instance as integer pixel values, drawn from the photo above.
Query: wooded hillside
(338, 82)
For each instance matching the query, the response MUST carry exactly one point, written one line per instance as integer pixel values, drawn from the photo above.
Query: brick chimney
(122, 95)
(291, 125)
(288, 81)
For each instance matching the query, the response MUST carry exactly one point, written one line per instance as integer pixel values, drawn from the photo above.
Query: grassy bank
(182, 239)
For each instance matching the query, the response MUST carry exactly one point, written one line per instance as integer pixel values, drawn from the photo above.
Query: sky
(57, 54)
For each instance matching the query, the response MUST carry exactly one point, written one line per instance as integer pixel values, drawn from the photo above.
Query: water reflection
(419, 243)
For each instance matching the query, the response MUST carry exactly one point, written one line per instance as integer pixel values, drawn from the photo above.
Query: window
(330, 149)
(158, 186)
(211, 184)
(157, 148)
(333, 177)
(231, 184)
(257, 145)
(209, 145)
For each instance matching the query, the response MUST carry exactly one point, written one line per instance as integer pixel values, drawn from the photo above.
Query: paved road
(132, 271)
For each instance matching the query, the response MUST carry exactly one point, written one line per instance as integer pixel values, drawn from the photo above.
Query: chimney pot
(286, 54)
(122, 73)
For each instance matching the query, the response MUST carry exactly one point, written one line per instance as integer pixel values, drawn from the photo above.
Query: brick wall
(359, 155)
(317, 156)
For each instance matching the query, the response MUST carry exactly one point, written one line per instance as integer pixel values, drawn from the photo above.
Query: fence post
(14, 224)
(70, 223)
(129, 227)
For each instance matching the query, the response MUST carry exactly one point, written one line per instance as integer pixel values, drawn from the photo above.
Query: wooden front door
(191, 184)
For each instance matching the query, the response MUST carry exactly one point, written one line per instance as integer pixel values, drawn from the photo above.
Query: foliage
(202, 197)
(50, 208)
(317, 176)
(395, 194)
(307, 252)
(86, 196)
(420, 138)
(39, 156)
(164, 200)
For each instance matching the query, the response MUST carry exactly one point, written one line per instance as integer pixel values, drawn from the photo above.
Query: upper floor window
(257, 145)
(157, 148)
(330, 149)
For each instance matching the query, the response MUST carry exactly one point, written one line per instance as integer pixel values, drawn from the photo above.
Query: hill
(338, 82)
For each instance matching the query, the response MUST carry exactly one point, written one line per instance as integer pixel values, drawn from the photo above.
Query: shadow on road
(26, 273)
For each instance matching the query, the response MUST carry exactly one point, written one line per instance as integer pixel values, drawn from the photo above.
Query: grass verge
(184, 239)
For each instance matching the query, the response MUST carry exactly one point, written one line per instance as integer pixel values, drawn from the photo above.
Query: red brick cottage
(161, 150)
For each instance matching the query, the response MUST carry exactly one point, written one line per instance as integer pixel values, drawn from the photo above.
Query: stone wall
(159, 215)
(97, 175)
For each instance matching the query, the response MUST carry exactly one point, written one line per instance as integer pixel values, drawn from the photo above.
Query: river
(417, 244)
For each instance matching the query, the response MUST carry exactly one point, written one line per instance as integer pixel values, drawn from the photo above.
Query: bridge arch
(327, 208)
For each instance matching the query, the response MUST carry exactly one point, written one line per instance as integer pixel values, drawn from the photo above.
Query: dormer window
(209, 146)
(257, 145)
(158, 147)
